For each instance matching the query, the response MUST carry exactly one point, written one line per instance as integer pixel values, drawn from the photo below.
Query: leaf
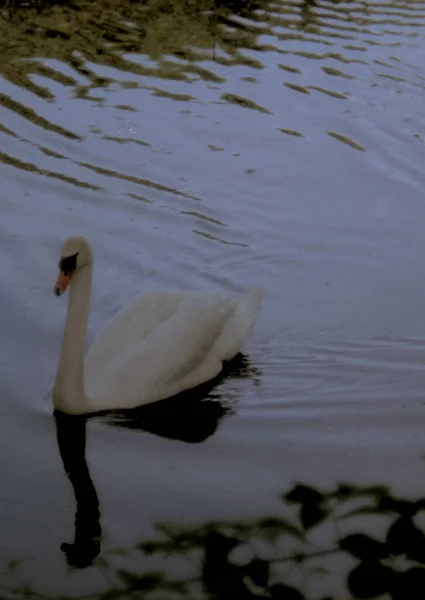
(111, 595)
(117, 552)
(416, 551)
(177, 535)
(158, 547)
(272, 528)
(101, 562)
(363, 510)
(258, 570)
(379, 491)
(402, 507)
(14, 564)
(364, 547)
(370, 580)
(344, 491)
(402, 535)
(285, 592)
(311, 515)
(148, 581)
(179, 587)
(420, 504)
(218, 544)
(173, 531)
(411, 581)
(303, 494)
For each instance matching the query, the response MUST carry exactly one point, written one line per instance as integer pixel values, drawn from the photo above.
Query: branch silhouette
(249, 559)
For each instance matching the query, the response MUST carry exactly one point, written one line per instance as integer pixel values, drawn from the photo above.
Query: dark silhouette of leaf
(272, 528)
(284, 592)
(402, 535)
(111, 595)
(303, 494)
(370, 580)
(345, 490)
(377, 491)
(420, 504)
(410, 584)
(363, 547)
(219, 544)
(219, 576)
(311, 515)
(176, 586)
(363, 510)
(416, 550)
(258, 571)
(157, 547)
(148, 581)
(14, 564)
(402, 507)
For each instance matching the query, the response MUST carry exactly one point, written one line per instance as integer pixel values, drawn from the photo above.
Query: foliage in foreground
(259, 558)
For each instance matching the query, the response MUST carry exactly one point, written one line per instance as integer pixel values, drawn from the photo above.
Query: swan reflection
(193, 419)
(192, 416)
(71, 436)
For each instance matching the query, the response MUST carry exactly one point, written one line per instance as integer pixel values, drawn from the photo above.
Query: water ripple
(112, 56)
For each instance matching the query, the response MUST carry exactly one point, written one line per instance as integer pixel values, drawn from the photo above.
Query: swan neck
(68, 393)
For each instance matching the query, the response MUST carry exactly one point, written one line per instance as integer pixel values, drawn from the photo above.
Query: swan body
(159, 345)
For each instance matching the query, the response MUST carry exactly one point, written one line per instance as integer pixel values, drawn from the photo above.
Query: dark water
(225, 145)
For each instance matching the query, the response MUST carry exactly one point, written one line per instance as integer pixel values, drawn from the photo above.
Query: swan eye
(68, 264)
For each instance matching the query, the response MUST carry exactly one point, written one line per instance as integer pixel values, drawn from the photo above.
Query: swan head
(75, 254)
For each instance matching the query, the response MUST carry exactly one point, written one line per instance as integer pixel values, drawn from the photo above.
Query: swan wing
(158, 347)
(130, 325)
(239, 326)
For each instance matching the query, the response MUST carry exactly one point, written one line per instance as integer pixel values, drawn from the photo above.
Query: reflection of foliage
(119, 35)
(249, 560)
(151, 26)
(243, 560)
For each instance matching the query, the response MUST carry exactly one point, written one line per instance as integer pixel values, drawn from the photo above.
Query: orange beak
(62, 283)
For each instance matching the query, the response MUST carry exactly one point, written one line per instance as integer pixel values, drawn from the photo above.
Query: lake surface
(218, 145)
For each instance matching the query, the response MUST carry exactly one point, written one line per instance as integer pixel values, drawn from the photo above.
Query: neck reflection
(71, 436)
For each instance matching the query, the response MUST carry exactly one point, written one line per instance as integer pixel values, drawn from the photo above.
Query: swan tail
(239, 325)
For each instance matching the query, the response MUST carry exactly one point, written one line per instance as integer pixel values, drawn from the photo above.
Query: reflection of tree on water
(103, 31)
(143, 39)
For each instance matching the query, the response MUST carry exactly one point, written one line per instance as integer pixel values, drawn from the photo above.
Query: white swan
(159, 345)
